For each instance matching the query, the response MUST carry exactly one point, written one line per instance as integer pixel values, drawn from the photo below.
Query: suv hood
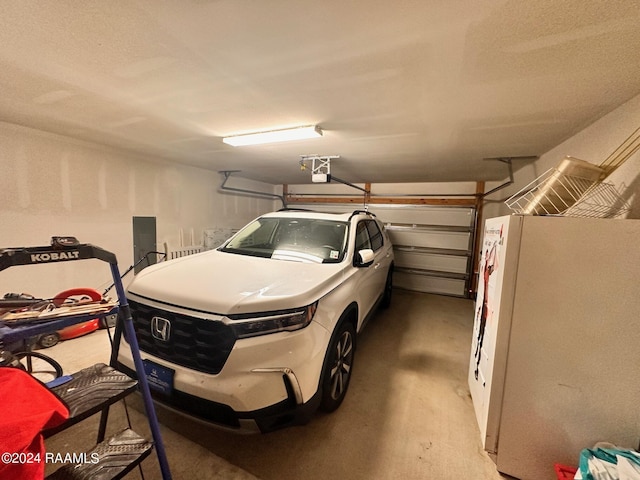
(227, 283)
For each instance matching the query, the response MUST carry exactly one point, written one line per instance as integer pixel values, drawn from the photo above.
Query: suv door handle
(376, 266)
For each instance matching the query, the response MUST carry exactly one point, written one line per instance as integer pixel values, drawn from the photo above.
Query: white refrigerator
(555, 355)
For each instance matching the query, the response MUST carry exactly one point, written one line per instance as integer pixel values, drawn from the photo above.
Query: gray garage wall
(54, 185)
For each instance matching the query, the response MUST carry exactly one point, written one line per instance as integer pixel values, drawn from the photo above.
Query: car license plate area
(159, 378)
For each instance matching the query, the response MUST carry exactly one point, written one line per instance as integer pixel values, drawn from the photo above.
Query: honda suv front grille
(195, 343)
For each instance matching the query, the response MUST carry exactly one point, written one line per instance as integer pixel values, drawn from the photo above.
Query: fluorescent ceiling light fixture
(285, 135)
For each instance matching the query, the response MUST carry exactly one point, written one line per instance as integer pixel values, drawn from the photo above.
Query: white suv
(259, 333)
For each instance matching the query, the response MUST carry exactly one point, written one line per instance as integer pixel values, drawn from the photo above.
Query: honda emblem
(160, 328)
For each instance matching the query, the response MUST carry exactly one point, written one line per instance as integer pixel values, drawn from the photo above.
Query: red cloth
(27, 408)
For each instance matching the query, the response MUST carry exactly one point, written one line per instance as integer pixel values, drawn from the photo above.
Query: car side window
(362, 237)
(375, 235)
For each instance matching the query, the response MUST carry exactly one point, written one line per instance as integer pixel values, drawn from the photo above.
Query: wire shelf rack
(602, 200)
(577, 188)
(573, 189)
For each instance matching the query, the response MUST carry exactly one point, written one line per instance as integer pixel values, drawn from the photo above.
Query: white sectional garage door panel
(415, 259)
(425, 238)
(414, 280)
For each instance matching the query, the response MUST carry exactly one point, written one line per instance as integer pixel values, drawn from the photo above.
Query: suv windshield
(296, 239)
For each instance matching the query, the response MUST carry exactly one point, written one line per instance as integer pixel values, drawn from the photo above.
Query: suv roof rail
(362, 212)
(294, 209)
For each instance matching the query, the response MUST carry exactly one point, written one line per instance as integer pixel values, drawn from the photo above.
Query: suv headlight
(254, 324)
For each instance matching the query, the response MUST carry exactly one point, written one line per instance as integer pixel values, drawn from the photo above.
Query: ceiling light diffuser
(285, 135)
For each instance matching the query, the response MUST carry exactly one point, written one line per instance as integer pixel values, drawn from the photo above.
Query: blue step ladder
(95, 388)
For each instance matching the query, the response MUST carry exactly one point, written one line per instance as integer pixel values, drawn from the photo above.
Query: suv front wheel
(337, 372)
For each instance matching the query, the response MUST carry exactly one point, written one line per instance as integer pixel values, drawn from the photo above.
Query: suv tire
(338, 368)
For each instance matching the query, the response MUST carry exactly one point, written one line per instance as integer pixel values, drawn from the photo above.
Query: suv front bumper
(268, 382)
(283, 414)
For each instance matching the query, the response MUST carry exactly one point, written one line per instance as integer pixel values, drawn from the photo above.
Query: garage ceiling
(404, 90)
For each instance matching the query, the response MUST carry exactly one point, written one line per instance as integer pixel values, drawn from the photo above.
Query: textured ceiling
(404, 90)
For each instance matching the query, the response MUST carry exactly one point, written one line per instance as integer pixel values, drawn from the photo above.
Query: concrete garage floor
(408, 413)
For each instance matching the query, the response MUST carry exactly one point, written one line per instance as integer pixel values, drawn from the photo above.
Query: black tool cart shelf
(93, 389)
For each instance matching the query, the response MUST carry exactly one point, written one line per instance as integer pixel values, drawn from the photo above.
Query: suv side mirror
(364, 258)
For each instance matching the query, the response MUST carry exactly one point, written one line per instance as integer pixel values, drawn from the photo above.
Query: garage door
(433, 245)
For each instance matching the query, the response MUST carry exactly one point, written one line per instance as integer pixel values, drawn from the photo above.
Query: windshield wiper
(249, 253)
